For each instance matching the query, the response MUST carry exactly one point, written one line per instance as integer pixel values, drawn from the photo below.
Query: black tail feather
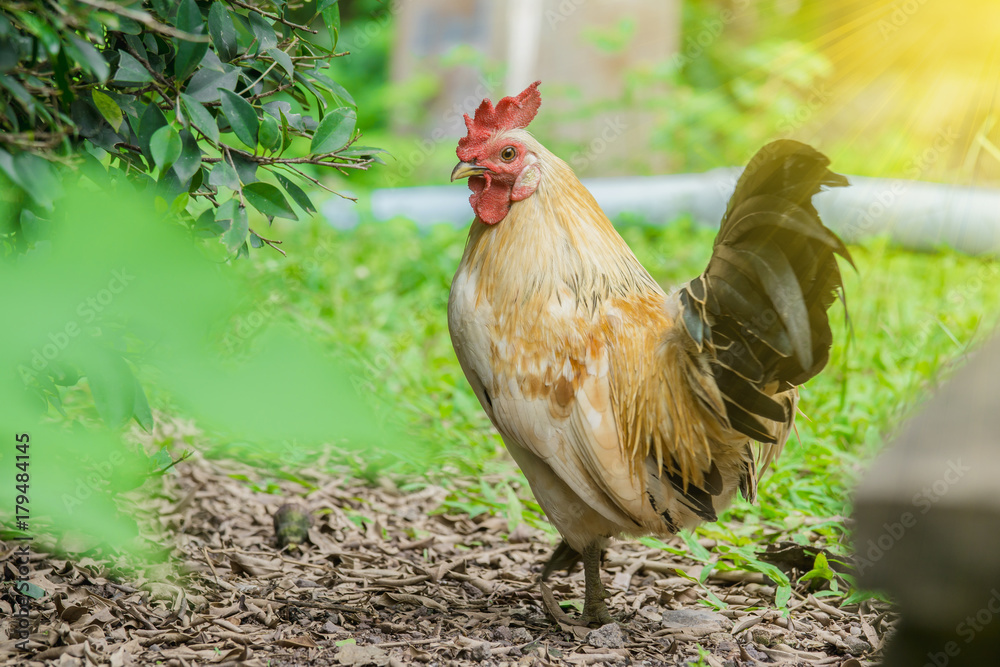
(761, 305)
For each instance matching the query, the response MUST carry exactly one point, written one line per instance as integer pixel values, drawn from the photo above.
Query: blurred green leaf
(42, 30)
(111, 383)
(89, 57)
(34, 175)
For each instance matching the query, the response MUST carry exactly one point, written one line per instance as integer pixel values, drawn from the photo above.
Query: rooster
(629, 410)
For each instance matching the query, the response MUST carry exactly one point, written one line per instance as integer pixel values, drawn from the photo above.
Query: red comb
(509, 113)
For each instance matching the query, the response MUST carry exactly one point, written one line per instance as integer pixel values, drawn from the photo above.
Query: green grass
(378, 295)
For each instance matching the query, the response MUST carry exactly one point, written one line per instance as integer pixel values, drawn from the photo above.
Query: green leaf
(88, 57)
(331, 18)
(242, 117)
(514, 510)
(270, 134)
(297, 194)
(151, 120)
(697, 551)
(247, 169)
(205, 84)
(220, 27)
(268, 200)
(201, 117)
(782, 595)
(34, 175)
(283, 59)
(112, 385)
(189, 54)
(40, 29)
(338, 90)
(131, 70)
(165, 147)
(140, 409)
(334, 131)
(108, 108)
(28, 589)
(362, 151)
(189, 162)
(223, 174)
(262, 31)
(232, 217)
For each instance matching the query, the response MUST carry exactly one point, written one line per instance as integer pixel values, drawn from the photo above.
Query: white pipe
(916, 214)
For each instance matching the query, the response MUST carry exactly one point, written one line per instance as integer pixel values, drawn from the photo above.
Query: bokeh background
(686, 85)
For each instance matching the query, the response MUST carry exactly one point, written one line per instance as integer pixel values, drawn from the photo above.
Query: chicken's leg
(595, 612)
(564, 557)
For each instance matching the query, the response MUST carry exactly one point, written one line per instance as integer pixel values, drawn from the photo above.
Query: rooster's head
(496, 157)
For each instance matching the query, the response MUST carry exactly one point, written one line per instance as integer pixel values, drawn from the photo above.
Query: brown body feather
(628, 409)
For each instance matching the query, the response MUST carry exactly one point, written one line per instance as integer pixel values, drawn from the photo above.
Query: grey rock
(856, 646)
(521, 636)
(606, 636)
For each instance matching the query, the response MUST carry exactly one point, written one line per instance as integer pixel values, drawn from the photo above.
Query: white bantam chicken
(632, 411)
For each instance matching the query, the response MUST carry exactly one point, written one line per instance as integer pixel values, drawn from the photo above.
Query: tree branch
(273, 17)
(145, 19)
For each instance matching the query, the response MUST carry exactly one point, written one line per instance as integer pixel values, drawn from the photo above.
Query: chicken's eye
(508, 154)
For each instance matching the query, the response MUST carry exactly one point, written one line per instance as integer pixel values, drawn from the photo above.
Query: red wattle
(490, 199)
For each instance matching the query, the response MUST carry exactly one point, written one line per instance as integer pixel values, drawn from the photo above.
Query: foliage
(127, 295)
(226, 102)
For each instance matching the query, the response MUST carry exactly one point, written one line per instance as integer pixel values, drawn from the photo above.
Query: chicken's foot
(595, 612)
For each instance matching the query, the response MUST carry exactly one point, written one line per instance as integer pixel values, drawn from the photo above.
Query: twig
(211, 565)
(324, 160)
(260, 96)
(184, 457)
(145, 19)
(273, 244)
(149, 68)
(273, 17)
(316, 182)
(274, 62)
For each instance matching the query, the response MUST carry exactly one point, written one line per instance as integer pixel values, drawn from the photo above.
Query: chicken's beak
(466, 169)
